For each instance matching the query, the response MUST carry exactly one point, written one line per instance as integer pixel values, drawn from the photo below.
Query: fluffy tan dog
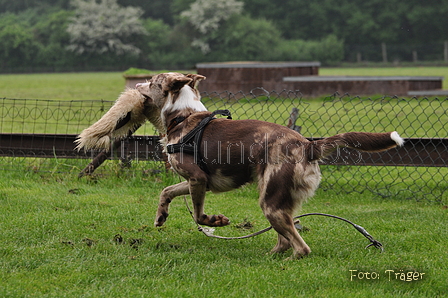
(130, 111)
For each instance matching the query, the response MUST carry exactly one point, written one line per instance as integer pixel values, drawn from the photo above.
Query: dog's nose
(138, 85)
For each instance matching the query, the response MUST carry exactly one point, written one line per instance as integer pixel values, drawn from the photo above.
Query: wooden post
(358, 57)
(384, 52)
(292, 120)
(414, 56)
(445, 52)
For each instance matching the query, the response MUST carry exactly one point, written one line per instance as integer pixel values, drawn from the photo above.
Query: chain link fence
(422, 119)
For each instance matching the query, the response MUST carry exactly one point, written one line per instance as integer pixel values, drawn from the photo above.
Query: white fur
(396, 137)
(141, 84)
(187, 100)
(220, 183)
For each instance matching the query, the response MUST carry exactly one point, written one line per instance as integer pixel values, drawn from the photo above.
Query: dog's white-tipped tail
(396, 137)
(361, 141)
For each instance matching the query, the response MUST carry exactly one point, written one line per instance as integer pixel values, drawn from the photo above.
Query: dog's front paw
(160, 219)
(214, 220)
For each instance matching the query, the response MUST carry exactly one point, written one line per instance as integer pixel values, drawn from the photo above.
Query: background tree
(244, 38)
(104, 27)
(159, 45)
(50, 35)
(206, 16)
(362, 25)
(21, 5)
(154, 9)
(328, 50)
(17, 43)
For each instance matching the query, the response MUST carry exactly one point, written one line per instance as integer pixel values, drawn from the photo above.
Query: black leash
(209, 231)
(360, 229)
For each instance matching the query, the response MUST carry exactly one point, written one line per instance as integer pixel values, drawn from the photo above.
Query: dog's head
(173, 92)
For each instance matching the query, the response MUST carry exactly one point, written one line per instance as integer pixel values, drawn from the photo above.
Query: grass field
(59, 239)
(66, 86)
(107, 85)
(93, 237)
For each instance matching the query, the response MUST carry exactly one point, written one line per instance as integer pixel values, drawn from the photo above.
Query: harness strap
(191, 142)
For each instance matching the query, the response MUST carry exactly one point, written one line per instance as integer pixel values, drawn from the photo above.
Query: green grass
(58, 241)
(57, 231)
(108, 85)
(65, 86)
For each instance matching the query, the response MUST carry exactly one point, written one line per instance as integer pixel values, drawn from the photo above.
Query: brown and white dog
(236, 152)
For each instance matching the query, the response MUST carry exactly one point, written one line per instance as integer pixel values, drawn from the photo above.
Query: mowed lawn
(108, 85)
(94, 237)
(62, 86)
(69, 237)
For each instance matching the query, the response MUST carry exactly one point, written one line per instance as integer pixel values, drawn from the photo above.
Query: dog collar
(175, 122)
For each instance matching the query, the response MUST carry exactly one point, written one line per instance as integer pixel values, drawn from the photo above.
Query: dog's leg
(166, 197)
(278, 205)
(283, 224)
(282, 245)
(198, 187)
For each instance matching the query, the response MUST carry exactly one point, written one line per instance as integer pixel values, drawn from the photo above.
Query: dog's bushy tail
(123, 118)
(362, 141)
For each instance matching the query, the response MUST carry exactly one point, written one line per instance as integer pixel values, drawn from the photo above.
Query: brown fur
(236, 152)
(284, 163)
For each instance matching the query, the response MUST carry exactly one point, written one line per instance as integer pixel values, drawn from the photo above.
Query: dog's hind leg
(198, 188)
(166, 197)
(283, 224)
(278, 206)
(282, 245)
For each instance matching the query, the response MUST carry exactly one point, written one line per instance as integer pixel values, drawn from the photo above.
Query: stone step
(436, 92)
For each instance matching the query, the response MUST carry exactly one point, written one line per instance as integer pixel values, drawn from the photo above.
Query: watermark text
(388, 275)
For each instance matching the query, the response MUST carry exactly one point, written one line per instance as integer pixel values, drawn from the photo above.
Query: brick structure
(245, 76)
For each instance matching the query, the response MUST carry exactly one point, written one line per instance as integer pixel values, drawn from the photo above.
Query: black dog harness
(191, 142)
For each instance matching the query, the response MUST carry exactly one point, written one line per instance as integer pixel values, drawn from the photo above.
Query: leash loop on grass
(360, 229)
(209, 231)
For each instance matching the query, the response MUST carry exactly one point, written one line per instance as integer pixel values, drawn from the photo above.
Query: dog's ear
(175, 83)
(196, 79)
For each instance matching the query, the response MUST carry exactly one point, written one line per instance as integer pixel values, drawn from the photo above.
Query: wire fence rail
(31, 129)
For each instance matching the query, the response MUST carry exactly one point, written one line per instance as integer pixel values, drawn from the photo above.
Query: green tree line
(64, 35)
